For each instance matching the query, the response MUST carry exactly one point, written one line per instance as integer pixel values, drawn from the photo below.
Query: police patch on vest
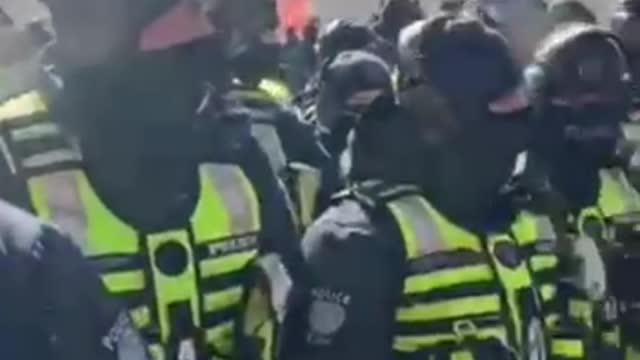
(233, 245)
(327, 315)
(326, 318)
(507, 254)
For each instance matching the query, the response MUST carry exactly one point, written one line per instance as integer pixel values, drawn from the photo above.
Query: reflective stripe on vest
(19, 107)
(23, 105)
(448, 279)
(617, 195)
(263, 309)
(277, 89)
(516, 281)
(306, 186)
(218, 246)
(269, 141)
(537, 237)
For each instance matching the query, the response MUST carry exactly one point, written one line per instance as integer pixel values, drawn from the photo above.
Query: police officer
(399, 267)
(166, 193)
(53, 304)
(290, 143)
(581, 85)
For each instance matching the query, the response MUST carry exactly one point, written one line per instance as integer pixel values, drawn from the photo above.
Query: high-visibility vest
(303, 181)
(451, 297)
(186, 287)
(537, 240)
(277, 89)
(618, 203)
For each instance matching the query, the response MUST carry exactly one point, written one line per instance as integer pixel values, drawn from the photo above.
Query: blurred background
(22, 11)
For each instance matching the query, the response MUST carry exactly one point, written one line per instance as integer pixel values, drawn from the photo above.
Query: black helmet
(351, 83)
(457, 55)
(578, 61)
(341, 35)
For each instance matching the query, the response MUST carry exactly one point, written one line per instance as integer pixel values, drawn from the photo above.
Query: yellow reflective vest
(618, 205)
(188, 289)
(303, 181)
(461, 292)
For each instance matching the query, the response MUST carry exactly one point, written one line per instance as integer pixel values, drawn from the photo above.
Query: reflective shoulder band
(269, 141)
(617, 195)
(425, 231)
(23, 105)
(280, 282)
(230, 184)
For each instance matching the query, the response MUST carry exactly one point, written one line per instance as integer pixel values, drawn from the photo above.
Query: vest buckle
(464, 329)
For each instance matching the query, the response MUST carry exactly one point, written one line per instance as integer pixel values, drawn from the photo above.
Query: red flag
(294, 14)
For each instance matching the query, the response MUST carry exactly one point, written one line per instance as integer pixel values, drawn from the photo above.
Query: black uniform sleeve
(62, 301)
(278, 232)
(85, 322)
(349, 306)
(300, 142)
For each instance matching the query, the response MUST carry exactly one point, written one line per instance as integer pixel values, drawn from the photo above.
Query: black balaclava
(581, 90)
(133, 115)
(395, 15)
(348, 87)
(470, 67)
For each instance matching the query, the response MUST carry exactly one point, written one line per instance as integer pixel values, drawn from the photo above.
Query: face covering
(575, 144)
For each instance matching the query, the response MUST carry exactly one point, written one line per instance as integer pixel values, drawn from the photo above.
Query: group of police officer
(435, 193)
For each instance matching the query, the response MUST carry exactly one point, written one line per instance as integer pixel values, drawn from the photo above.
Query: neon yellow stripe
(211, 219)
(473, 305)
(107, 234)
(412, 343)
(221, 337)
(124, 281)
(525, 229)
(157, 352)
(612, 197)
(407, 230)
(227, 264)
(222, 299)
(567, 348)
(39, 198)
(141, 316)
(446, 278)
(631, 353)
(170, 289)
(252, 197)
(23, 105)
(548, 292)
(543, 262)
(454, 236)
(552, 320)
(612, 338)
(581, 310)
(462, 355)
